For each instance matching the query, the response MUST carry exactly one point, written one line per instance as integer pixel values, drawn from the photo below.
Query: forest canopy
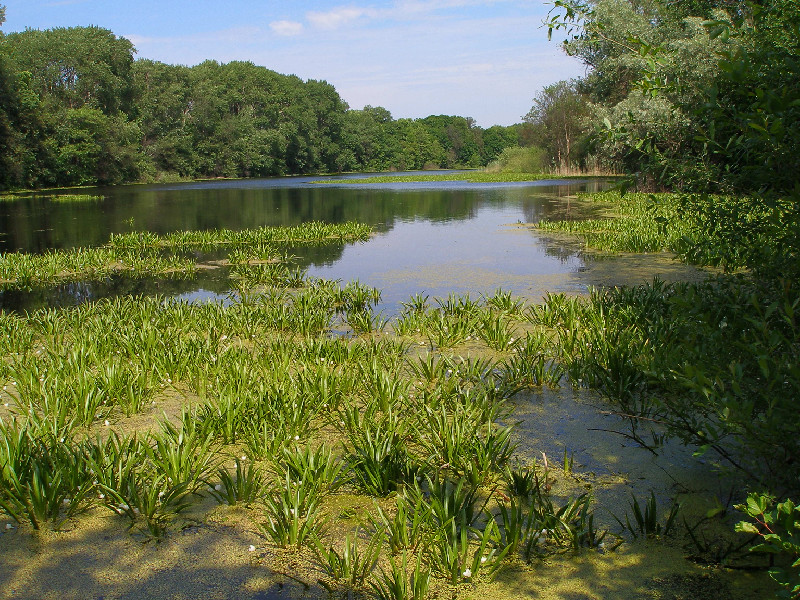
(76, 108)
(698, 95)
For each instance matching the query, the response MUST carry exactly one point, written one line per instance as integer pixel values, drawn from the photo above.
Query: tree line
(77, 109)
(700, 95)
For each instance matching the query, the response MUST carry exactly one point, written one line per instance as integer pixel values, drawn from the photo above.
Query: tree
(558, 116)
(725, 78)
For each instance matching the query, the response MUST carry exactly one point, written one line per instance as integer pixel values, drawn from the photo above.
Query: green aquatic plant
(67, 198)
(646, 520)
(183, 454)
(530, 366)
(293, 513)
(150, 503)
(377, 455)
(522, 483)
(505, 302)
(418, 303)
(319, 466)
(472, 176)
(497, 332)
(398, 584)
(450, 501)
(455, 557)
(445, 329)
(142, 254)
(408, 528)
(245, 486)
(44, 480)
(351, 567)
(365, 321)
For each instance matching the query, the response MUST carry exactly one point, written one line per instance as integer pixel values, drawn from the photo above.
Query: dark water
(434, 238)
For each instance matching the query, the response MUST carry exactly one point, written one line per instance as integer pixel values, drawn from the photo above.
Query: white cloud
(286, 28)
(342, 15)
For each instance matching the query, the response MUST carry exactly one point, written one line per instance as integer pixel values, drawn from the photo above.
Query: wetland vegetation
(155, 411)
(341, 450)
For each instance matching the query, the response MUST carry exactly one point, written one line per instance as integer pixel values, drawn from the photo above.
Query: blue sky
(485, 60)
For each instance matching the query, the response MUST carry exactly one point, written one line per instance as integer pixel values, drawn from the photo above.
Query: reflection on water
(434, 238)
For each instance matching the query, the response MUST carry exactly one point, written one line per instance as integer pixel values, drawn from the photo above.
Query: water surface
(430, 237)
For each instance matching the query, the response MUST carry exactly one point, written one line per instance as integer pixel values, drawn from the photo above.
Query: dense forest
(76, 108)
(702, 95)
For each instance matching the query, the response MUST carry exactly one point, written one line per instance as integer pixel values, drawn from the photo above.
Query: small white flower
(101, 496)
(218, 487)
(467, 573)
(297, 437)
(483, 559)
(9, 526)
(106, 423)
(252, 548)
(244, 457)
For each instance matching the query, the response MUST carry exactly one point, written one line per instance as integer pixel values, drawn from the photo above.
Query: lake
(432, 238)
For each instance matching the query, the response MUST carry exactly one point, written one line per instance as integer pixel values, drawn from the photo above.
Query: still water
(431, 238)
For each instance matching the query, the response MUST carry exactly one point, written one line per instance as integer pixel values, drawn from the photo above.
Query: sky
(481, 59)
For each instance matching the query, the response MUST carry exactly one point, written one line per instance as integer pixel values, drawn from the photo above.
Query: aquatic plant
(505, 302)
(408, 528)
(377, 454)
(319, 466)
(146, 254)
(398, 584)
(183, 454)
(43, 479)
(460, 441)
(245, 486)
(522, 483)
(646, 522)
(352, 566)
(293, 513)
(455, 557)
(67, 198)
(497, 332)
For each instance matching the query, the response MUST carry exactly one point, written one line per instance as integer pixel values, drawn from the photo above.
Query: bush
(521, 160)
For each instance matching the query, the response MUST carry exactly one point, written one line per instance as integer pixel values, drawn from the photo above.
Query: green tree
(559, 121)
(699, 95)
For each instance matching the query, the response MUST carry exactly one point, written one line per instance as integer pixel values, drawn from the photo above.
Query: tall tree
(558, 117)
(699, 95)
